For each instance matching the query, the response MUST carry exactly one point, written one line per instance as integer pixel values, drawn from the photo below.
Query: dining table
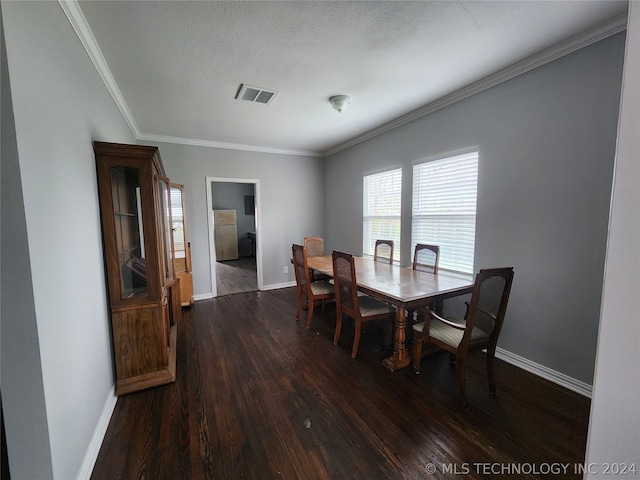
(402, 287)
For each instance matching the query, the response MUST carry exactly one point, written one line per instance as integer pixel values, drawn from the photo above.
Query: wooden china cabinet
(144, 294)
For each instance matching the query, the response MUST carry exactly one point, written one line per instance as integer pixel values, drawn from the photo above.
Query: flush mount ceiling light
(340, 102)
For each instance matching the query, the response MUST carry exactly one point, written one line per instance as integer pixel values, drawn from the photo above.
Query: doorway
(233, 211)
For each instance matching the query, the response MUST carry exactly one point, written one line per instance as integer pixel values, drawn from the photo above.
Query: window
(444, 209)
(381, 210)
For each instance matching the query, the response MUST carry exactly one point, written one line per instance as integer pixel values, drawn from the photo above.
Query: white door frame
(212, 249)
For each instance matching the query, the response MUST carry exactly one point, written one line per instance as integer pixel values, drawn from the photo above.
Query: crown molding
(80, 26)
(230, 146)
(79, 23)
(83, 31)
(600, 32)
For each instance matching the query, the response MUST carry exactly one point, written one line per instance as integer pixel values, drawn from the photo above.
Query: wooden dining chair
(314, 246)
(361, 308)
(426, 257)
(383, 251)
(479, 329)
(311, 291)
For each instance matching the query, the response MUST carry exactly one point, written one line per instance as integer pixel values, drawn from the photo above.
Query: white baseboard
(203, 296)
(276, 286)
(91, 455)
(548, 374)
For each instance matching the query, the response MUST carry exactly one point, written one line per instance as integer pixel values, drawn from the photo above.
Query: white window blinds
(444, 209)
(382, 195)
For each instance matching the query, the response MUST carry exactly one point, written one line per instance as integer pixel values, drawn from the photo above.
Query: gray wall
(58, 317)
(546, 141)
(290, 203)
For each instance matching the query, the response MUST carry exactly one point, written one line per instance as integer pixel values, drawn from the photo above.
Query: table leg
(400, 357)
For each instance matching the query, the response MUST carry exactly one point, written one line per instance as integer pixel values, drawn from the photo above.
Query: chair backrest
(344, 279)
(383, 251)
(314, 246)
(489, 302)
(425, 258)
(300, 267)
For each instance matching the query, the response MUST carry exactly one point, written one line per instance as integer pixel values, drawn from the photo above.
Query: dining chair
(478, 330)
(312, 291)
(426, 257)
(314, 246)
(383, 251)
(361, 308)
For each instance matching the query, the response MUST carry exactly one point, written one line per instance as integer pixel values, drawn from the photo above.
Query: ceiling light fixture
(340, 102)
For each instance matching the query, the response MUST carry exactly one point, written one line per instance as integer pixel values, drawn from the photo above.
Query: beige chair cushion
(449, 335)
(370, 306)
(321, 288)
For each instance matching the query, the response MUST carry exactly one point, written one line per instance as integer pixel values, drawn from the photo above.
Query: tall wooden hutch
(144, 294)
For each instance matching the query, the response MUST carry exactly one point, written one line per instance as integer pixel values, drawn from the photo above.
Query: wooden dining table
(402, 287)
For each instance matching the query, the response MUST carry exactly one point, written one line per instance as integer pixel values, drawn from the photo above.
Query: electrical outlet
(286, 269)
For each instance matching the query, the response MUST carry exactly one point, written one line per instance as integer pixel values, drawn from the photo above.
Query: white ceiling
(174, 67)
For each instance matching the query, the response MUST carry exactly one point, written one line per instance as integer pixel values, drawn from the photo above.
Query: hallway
(236, 276)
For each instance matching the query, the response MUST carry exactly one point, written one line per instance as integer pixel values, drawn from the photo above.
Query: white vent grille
(256, 94)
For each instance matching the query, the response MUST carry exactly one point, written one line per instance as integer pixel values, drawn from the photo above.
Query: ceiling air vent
(256, 94)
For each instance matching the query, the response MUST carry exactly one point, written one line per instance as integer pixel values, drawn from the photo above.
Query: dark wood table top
(399, 285)
(403, 287)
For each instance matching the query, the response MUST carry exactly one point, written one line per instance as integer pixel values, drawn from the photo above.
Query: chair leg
(418, 339)
(299, 307)
(491, 373)
(462, 383)
(310, 314)
(356, 338)
(336, 336)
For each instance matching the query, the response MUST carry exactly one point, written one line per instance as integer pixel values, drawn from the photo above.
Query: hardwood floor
(236, 276)
(258, 396)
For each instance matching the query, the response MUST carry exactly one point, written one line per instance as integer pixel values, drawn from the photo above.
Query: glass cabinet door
(165, 227)
(178, 228)
(125, 190)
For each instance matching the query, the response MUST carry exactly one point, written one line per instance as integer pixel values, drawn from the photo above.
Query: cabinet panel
(139, 345)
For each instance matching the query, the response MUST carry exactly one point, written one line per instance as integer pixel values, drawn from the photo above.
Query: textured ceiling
(178, 64)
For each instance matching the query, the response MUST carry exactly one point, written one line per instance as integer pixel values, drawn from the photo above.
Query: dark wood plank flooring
(258, 396)
(236, 276)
